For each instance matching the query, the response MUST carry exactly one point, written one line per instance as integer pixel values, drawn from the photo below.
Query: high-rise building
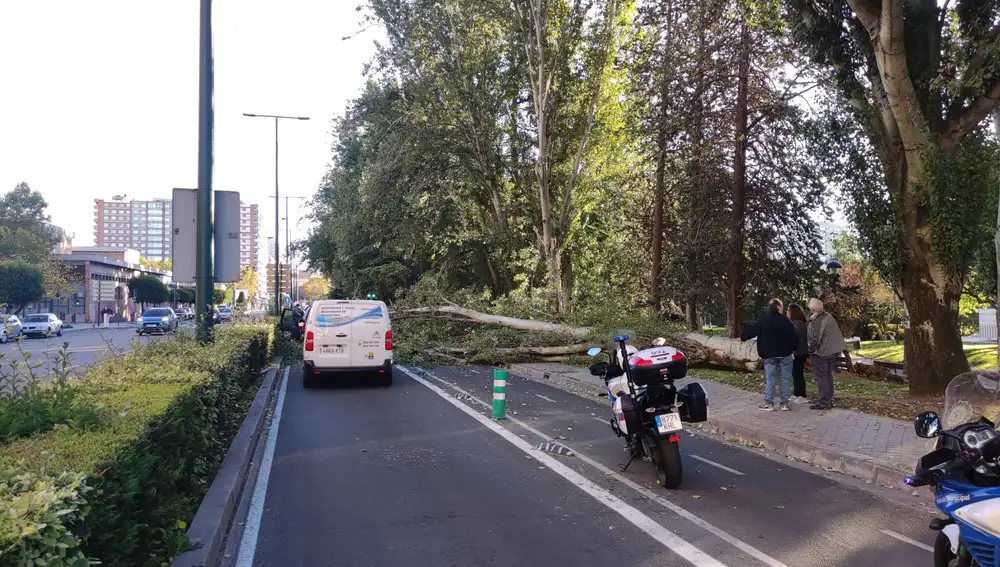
(141, 225)
(146, 226)
(249, 236)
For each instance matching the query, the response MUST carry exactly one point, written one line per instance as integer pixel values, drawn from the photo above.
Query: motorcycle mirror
(593, 351)
(927, 425)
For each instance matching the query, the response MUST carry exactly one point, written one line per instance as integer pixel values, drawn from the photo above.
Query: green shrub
(172, 409)
(29, 404)
(41, 511)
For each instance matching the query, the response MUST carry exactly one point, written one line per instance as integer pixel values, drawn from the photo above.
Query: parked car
(41, 325)
(156, 320)
(347, 336)
(12, 325)
(10, 329)
(292, 322)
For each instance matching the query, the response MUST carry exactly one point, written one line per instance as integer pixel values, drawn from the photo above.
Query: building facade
(249, 236)
(286, 278)
(140, 225)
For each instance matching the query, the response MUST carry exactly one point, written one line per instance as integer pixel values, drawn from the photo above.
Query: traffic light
(371, 296)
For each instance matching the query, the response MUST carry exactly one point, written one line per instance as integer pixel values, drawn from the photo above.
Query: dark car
(290, 319)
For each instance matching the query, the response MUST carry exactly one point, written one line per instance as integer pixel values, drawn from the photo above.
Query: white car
(11, 328)
(41, 325)
(347, 336)
(225, 313)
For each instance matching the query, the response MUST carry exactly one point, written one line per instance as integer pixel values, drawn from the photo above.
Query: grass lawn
(979, 356)
(850, 392)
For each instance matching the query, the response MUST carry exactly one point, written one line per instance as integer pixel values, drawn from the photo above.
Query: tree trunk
(996, 240)
(933, 351)
(567, 283)
(735, 270)
(656, 268)
(512, 322)
(694, 323)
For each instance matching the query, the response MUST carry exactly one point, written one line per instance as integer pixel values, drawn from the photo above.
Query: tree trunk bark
(735, 270)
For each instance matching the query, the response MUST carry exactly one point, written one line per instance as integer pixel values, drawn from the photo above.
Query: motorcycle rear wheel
(666, 459)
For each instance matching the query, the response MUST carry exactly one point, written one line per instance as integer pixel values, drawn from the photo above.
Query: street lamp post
(277, 261)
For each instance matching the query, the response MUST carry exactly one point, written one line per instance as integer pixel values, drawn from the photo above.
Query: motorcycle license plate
(668, 423)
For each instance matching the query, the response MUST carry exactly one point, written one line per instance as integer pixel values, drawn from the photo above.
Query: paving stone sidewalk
(872, 448)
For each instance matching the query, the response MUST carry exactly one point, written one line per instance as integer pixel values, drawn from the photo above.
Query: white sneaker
(799, 400)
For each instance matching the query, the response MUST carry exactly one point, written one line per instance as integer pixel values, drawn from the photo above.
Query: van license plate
(332, 350)
(668, 423)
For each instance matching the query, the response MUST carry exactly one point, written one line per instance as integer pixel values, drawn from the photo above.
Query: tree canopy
(20, 284)
(570, 157)
(148, 289)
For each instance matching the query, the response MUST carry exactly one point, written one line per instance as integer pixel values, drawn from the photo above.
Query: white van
(347, 336)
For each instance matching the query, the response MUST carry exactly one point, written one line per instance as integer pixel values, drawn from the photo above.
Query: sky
(101, 98)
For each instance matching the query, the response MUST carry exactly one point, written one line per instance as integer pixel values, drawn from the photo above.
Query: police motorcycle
(963, 470)
(648, 409)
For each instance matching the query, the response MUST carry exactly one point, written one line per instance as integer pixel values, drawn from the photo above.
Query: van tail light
(310, 340)
(388, 340)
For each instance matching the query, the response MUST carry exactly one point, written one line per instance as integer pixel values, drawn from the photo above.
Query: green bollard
(499, 394)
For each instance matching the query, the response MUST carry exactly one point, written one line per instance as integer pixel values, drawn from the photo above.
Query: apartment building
(141, 225)
(249, 236)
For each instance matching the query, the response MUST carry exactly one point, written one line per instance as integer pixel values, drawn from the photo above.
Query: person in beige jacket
(825, 344)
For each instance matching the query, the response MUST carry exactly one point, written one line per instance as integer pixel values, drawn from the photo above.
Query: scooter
(648, 410)
(964, 472)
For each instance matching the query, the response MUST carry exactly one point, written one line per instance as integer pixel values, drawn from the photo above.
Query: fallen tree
(521, 324)
(699, 348)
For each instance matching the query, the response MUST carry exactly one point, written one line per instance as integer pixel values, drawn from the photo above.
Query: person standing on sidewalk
(825, 345)
(776, 342)
(798, 318)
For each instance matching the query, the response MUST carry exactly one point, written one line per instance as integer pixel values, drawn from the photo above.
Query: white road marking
(601, 419)
(544, 398)
(251, 529)
(905, 539)
(683, 513)
(671, 541)
(716, 465)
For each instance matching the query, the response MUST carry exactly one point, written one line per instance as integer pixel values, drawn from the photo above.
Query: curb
(858, 466)
(211, 522)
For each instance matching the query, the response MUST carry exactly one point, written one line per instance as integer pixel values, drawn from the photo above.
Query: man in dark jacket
(776, 342)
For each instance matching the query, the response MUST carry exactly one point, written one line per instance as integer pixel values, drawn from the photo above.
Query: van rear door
(368, 334)
(332, 330)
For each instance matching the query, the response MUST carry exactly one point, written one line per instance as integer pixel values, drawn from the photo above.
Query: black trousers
(799, 375)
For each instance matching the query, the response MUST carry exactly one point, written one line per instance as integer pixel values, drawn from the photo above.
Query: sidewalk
(874, 449)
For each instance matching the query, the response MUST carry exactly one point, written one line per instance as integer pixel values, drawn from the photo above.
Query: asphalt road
(416, 474)
(86, 347)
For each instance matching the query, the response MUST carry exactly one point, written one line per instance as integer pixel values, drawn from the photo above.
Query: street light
(277, 262)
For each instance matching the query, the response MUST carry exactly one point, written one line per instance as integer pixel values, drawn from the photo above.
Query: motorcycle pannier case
(658, 364)
(694, 403)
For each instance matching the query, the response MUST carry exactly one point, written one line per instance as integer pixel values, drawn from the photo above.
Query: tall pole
(288, 247)
(203, 254)
(277, 205)
(277, 255)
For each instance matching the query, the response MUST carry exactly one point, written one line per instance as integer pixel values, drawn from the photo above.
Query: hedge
(122, 492)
